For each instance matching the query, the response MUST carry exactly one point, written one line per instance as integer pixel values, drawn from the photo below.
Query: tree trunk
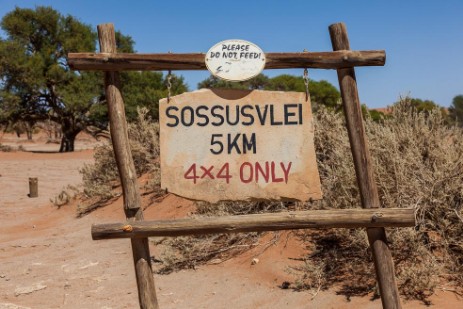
(29, 134)
(58, 133)
(67, 141)
(29, 127)
(69, 132)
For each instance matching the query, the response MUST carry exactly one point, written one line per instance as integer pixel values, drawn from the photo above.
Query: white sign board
(238, 145)
(235, 60)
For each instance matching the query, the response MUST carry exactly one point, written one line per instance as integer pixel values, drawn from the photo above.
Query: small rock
(29, 289)
(254, 261)
(215, 261)
(90, 264)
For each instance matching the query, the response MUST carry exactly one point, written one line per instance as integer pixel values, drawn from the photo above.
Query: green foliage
(321, 92)
(372, 114)
(376, 115)
(365, 112)
(142, 88)
(258, 82)
(145, 89)
(456, 110)
(420, 105)
(324, 93)
(37, 82)
(426, 107)
(124, 43)
(286, 82)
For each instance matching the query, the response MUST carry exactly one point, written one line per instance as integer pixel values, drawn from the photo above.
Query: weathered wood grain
(196, 61)
(339, 218)
(384, 265)
(126, 168)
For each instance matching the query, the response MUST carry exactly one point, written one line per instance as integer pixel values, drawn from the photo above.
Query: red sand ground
(48, 259)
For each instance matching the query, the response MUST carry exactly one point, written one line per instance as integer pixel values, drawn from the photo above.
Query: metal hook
(169, 85)
(306, 81)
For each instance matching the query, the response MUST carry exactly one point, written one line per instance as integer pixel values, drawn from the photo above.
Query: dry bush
(238, 208)
(66, 195)
(8, 148)
(418, 163)
(5, 148)
(188, 252)
(102, 177)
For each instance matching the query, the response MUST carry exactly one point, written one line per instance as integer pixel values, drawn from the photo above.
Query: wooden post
(196, 61)
(33, 187)
(368, 191)
(126, 167)
(315, 219)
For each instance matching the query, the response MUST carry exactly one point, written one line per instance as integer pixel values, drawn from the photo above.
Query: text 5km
(258, 172)
(240, 143)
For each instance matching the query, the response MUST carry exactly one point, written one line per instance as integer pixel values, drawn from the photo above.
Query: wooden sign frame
(371, 217)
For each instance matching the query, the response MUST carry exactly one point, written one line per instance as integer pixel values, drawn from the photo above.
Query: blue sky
(423, 40)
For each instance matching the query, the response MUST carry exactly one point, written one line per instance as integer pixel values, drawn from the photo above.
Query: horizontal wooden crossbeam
(196, 61)
(340, 218)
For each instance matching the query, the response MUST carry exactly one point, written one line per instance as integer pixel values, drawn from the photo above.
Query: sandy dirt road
(48, 259)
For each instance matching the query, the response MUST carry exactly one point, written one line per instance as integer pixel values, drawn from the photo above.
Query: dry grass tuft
(66, 195)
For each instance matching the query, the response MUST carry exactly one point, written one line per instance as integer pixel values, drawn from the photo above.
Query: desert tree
(37, 83)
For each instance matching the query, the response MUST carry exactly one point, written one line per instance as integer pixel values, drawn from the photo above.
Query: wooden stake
(126, 167)
(33, 187)
(384, 264)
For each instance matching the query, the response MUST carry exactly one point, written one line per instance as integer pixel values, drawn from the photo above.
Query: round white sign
(235, 60)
